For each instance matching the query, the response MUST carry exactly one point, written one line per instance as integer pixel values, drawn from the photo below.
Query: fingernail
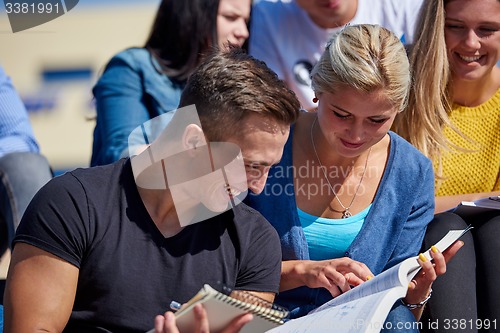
(434, 249)
(422, 257)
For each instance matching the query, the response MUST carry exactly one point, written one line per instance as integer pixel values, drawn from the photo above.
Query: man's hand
(166, 323)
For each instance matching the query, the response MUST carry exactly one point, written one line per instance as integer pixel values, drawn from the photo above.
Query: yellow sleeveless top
(478, 170)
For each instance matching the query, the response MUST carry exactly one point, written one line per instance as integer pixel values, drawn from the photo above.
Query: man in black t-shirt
(106, 249)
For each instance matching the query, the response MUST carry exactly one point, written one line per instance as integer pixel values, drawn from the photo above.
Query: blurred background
(55, 65)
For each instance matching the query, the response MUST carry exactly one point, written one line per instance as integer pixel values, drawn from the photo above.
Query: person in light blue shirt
(139, 84)
(349, 197)
(23, 170)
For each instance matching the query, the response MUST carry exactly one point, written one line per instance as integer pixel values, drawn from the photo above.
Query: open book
(221, 309)
(467, 208)
(365, 307)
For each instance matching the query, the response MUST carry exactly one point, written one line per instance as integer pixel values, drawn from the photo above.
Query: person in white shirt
(290, 35)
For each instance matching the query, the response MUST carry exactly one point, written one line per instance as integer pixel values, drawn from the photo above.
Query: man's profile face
(224, 177)
(216, 175)
(261, 141)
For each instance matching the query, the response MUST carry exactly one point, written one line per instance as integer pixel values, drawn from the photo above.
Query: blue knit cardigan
(393, 229)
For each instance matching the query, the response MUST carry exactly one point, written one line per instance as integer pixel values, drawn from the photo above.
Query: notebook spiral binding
(254, 304)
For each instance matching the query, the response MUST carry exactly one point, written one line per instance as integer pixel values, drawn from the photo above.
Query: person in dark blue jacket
(139, 84)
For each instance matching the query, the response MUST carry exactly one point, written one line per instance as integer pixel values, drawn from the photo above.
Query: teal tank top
(330, 238)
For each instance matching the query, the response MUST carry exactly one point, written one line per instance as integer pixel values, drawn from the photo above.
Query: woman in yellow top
(454, 118)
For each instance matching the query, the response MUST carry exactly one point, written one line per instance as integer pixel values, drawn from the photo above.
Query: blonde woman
(350, 198)
(454, 110)
(454, 118)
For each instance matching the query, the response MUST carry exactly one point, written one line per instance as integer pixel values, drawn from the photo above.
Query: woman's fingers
(344, 273)
(450, 252)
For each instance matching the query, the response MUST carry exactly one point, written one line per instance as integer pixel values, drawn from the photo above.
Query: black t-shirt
(129, 273)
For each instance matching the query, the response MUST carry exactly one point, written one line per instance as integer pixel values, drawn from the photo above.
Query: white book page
(393, 277)
(365, 307)
(449, 239)
(351, 317)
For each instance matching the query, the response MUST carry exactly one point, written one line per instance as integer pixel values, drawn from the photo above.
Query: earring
(191, 144)
(315, 100)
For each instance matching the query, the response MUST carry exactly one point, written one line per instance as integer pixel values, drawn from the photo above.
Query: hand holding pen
(166, 323)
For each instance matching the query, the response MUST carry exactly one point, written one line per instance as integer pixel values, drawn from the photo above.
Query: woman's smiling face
(472, 33)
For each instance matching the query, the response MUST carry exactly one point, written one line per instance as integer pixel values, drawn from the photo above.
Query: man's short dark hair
(229, 86)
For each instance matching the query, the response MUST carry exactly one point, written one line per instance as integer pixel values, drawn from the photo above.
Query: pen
(175, 306)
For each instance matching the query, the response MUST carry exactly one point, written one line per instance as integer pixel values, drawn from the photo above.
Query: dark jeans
(21, 176)
(467, 297)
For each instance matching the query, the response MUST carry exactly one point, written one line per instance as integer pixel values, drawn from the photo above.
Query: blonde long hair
(430, 99)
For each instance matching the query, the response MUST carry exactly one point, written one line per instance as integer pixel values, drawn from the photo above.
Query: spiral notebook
(221, 309)
(468, 209)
